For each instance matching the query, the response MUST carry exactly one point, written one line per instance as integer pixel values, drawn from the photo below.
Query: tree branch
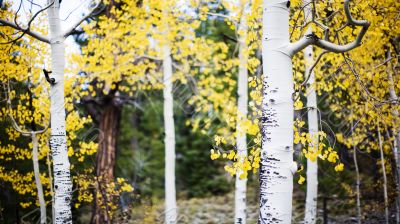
(25, 31)
(219, 15)
(313, 66)
(28, 29)
(71, 30)
(13, 122)
(16, 126)
(312, 39)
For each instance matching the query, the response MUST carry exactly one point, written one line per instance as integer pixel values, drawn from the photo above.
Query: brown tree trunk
(109, 127)
(105, 160)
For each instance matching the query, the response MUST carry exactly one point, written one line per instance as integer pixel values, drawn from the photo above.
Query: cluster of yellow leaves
(215, 103)
(356, 88)
(132, 39)
(246, 164)
(314, 146)
(239, 163)
(353, 85)
(21, 71)
(110, 191)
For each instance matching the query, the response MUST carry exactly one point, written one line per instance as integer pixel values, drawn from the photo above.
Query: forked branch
(14, 122)
(312, 39)
(95, 10)
(31, 33)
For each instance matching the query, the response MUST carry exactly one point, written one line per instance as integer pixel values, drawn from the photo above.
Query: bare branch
(351, 66)
(16, 126)
(313, 66)
(71, 30)
(312, 39)
(25, 31)
(219, 15)
(28, 29)
(14, 123)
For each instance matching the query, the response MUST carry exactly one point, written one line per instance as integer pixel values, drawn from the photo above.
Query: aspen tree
(392, 69)
(385, 193)
(35, 155)
(242, 17)
(361, 82)
(58, 141)
(114, 73)
(171, 208)
(277, 166)
(242, 113)
(312, 107)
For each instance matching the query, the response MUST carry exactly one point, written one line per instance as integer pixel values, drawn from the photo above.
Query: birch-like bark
(169, 127)
(395, 113)
(394, 149)
(312, 166)
(277, 166)
(385, 195)
(58, 139)
(241, 141)
(396, 142)
(36, 171)
(329, 46)
(35, 158)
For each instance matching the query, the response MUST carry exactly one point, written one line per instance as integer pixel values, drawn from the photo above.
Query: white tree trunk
(277, 166)
(396, 145)
(312, 166)
(36, 171)
(169, 126)
(241, 142)
(385, 195)
(395, 113)
(58, 140)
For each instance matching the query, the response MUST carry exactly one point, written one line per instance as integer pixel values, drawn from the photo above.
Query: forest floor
(220, 210)
(209, 210)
